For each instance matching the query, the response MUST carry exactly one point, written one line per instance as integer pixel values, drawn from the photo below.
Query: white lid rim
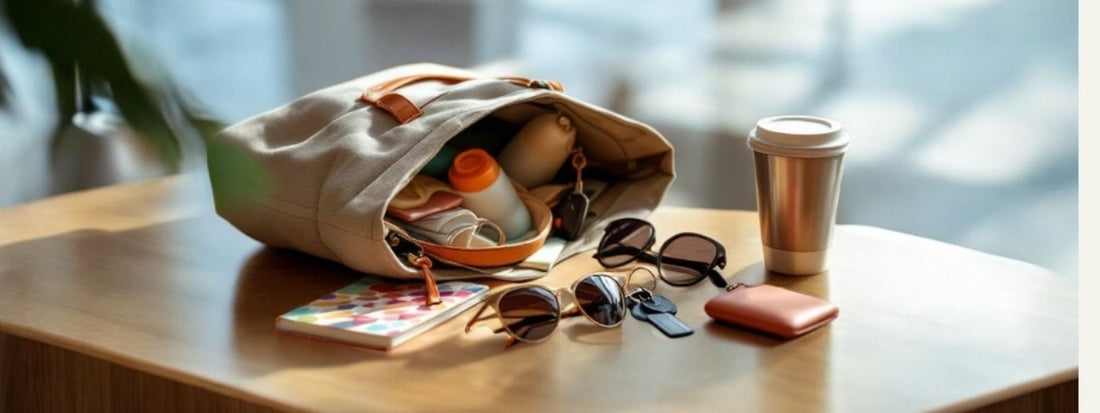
(834, 148)
(798, 136)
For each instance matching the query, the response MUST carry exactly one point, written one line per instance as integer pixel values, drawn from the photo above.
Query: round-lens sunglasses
(530, 313)
(685, 259)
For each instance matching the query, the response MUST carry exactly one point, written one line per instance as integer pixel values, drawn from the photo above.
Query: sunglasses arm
(619, 249)
(572, 312)
(716, 278)
(714, 275)
(648, 256)
(477, 317)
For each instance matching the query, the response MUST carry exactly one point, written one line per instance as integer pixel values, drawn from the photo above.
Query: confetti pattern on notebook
(380, 314)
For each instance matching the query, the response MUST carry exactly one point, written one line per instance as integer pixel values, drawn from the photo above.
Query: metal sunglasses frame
(563, 313)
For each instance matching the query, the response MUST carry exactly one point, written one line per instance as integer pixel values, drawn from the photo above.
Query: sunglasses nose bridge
(561, 295)
(558, 294)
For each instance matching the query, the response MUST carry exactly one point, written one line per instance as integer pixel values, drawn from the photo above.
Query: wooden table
(139, 297)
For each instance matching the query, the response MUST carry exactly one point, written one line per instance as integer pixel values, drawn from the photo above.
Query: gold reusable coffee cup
(799, 161)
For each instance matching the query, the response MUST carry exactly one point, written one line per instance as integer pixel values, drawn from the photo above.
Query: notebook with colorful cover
(379, 314)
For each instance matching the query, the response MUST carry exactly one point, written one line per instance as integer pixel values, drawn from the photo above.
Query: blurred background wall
(963, 113)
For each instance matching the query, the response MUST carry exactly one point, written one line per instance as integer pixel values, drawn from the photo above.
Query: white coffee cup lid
(798, 136)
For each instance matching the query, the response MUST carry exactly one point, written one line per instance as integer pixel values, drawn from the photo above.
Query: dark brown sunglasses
(685, 259)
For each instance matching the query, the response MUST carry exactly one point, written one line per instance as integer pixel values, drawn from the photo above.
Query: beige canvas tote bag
(336, 157)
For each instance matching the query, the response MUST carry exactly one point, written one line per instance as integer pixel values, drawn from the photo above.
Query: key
(667, 323)
(654, 304)
(659, 304)
(569, 216)
(571, 211)
(650, 302)
(659, 311)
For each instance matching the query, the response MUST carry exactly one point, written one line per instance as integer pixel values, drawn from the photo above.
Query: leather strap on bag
(385, 97)
(504, 254)
(414, 255)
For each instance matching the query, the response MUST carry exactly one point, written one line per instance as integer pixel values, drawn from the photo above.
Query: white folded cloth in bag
(458, 227)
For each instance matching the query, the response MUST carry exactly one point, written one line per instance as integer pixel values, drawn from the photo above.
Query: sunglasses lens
(601, 299)
(530, 314)
(623, 241)
(685, 260)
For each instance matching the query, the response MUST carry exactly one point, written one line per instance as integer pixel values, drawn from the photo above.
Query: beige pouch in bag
(336, 157)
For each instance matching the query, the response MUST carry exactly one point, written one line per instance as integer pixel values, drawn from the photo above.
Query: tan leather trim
(499, 255)
(384, 96)
(399, 107)
(394, 84)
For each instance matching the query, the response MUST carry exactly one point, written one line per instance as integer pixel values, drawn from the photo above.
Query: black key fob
(666, 323)
(659, 304)
(569, 216)
(670, 325)
(639, 313)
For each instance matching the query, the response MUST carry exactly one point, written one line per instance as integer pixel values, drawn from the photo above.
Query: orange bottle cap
(473, 170)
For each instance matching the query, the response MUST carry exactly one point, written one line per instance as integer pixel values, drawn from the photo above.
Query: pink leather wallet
(773, 310)
(438, 202)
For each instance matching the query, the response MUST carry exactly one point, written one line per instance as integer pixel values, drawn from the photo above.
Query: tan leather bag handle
(384, 95)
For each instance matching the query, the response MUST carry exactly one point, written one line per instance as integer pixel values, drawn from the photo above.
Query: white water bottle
(538, 151)
(487, 191)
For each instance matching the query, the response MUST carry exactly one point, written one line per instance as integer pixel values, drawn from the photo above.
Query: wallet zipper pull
(414, 255)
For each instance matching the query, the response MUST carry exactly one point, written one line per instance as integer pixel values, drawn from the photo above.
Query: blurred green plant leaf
(67, 33)
(71, 35)
(5, 87)
(64, 87)
(235, 177)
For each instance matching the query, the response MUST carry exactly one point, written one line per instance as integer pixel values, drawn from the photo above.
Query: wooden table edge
(164, 372)
(1028, 387)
